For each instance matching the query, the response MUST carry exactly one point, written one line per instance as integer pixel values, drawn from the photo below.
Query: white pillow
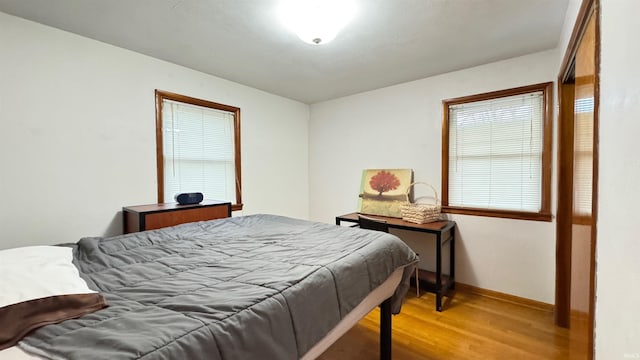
(34, 272)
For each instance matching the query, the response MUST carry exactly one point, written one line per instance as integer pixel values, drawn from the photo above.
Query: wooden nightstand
(155, 216)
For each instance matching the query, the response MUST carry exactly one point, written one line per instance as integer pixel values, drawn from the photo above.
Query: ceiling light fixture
(316, 21)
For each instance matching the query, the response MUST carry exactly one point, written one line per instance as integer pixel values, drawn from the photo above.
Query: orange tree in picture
(384, 181)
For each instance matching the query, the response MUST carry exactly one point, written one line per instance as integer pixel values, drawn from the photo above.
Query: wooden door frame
(565, 119)
(564, 209)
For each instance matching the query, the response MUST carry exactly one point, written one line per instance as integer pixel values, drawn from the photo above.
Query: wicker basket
(420, 213)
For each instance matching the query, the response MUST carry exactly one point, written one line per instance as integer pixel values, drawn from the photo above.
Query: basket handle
(406, 194)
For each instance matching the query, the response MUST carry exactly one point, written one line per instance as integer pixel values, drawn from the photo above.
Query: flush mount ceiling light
(316, 21)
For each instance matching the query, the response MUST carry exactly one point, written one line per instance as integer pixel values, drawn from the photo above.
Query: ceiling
(389, 41)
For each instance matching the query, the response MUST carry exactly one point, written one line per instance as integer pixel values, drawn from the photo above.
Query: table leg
(439, 272)
(452, 258)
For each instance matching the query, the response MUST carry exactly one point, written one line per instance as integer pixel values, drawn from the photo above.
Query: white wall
(567, 29)
(618, 242)
(400, 127)
(77, 138)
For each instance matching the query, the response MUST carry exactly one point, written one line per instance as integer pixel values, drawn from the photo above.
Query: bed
(252, 287)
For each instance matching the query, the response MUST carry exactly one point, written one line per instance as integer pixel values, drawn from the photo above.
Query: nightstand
(155, 216)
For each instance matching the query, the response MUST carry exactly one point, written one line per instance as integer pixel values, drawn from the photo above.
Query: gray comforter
(253, 287)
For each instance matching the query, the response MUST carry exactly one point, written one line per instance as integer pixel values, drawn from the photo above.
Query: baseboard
(534, 304)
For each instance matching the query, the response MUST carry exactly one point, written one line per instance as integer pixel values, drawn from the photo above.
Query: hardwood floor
(471, 327)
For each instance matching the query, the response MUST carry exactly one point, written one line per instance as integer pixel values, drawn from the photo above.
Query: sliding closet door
(583, 205)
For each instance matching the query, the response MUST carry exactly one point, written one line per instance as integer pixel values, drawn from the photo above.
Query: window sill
(236, 207)
(582, 220)
(507, 214)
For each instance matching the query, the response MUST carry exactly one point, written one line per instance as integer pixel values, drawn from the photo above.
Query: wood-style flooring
(471, 327)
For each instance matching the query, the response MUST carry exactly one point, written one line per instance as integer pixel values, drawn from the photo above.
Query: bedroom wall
(78, 135)
(400, 127)
(618, 273)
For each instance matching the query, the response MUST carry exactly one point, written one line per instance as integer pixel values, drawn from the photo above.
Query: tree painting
(382, 191)
(384, 181)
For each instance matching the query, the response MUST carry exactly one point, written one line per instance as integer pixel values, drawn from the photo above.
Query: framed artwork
(382, 191)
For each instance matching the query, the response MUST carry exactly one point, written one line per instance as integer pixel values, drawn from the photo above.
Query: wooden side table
(155, 216)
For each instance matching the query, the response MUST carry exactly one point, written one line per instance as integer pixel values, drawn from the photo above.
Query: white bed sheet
(15, 353)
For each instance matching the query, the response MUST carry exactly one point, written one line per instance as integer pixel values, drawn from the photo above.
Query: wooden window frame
(545, 207)
(162, 95)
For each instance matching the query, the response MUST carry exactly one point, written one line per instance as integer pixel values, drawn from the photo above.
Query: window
(496, 154)
(583, 154)
(198, 148)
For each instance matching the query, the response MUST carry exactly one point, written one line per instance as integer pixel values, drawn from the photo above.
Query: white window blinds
(198, 151)
(583, 156)
(495, 153)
